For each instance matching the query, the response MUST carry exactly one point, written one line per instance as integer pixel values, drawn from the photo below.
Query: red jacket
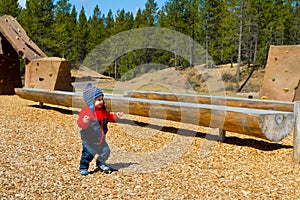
(97, 126)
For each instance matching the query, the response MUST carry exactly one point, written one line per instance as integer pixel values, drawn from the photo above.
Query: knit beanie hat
(90, 93)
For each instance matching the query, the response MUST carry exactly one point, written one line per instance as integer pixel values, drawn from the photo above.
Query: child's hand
(86, 119)
(120, 114)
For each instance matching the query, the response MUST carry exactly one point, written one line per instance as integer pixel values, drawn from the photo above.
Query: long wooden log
(214, 100)
(266, 124)
(61, 98)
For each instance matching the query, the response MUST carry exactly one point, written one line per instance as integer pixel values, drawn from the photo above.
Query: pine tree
(214, 24)
(82, 35)
(172, 16)
(294, 25)
(139, 20)
(61, 28)
(150, 13)
(120, 23)
(291, 22)
(109, 24)
(96, 29)
(130, 20)
(10, 7)
(72, 53)
(213, 14)
(37, 19)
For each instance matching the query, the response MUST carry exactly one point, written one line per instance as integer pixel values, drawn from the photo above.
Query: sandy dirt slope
(157, 159)
(220, 81)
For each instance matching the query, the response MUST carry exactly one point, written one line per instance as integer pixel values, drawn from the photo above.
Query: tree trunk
(240, 48)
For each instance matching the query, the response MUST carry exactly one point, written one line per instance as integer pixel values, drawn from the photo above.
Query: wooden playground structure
(48, 80)
(40, 71)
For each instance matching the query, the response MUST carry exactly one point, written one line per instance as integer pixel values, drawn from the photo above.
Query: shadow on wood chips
(257, 144)
(61, 110)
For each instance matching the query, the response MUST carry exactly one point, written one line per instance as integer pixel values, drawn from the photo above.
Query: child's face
(98, 102)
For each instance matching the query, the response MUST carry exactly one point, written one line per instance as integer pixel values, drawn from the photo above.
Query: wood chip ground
(40, 150)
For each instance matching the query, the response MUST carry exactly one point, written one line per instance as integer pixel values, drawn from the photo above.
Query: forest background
(230, 31)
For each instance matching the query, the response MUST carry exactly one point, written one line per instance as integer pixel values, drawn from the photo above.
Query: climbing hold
(286, 70)
(286, 51)
(263, 97)
(6, 20)
(286, 89)
(31, 85)
(19, 30)
(17, 37)
(273, 79)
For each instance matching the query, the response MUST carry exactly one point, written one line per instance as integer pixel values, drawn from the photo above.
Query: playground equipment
(49, 73)
(271, 120)
(40, 70)
(282, 75)
(14, 44)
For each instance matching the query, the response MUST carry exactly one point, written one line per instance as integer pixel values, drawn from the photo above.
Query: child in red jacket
(93, 120)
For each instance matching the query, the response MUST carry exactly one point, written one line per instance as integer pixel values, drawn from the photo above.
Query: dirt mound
(82, 73)
(162, 80)
(221, 80)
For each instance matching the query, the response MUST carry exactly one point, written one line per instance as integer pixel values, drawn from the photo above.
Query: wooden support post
(296, 149)
(222, 134)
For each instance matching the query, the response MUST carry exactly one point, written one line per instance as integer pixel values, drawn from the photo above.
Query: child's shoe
(105, 168)
(84, 172)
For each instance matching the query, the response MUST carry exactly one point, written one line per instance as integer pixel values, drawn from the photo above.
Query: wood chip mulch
(40, 150)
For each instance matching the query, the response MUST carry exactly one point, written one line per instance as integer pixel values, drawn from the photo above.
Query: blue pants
(90, 150)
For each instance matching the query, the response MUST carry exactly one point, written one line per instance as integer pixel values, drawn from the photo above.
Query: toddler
(93, 120)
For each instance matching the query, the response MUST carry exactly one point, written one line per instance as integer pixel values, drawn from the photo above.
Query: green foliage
(10, 7)
(57, 28)
(37, 19)
(62, 29)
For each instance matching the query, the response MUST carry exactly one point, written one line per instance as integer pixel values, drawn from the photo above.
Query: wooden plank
(266, 124)
(296, 149)
(215, 100)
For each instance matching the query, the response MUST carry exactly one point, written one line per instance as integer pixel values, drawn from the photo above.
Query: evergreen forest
(230, 31)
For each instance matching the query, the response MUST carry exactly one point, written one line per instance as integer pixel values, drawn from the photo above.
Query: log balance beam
(270, 120)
